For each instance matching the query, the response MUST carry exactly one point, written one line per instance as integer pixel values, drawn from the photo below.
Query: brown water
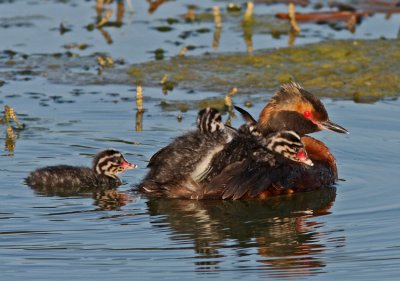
(345, 233)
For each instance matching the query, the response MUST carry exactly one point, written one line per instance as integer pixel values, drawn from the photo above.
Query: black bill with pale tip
(330, 126)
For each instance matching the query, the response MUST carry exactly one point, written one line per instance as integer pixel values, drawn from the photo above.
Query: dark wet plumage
(245, 167)
(176, 168)
(106, 165)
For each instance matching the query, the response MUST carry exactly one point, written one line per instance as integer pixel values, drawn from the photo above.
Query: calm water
(345, 233)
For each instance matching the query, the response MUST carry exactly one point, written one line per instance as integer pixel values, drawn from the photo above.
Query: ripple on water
(347, 233)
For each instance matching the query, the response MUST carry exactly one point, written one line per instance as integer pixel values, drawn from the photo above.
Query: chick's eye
(117, 160)
(307, 114)
(301, 154)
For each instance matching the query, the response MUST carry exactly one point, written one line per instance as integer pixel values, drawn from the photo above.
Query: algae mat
(361, 70)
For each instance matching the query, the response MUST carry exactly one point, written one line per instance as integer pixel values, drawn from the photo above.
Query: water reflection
(218, 27)
(103, 16)
(139, 121)
(104, 198)
(247, 27)
(333, 14)
(12, 133)
(154, 4)
(286, 239)
(10, 140)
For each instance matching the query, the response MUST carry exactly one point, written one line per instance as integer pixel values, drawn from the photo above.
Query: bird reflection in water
(281, 229)
(106, 199)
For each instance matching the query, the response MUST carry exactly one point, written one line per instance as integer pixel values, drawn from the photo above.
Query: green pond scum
(361, 70)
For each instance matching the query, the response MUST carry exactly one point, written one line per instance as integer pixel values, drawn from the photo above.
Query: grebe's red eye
(307, 114)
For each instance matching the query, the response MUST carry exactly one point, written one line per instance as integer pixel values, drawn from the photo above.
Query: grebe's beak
(125, 165)
(303, 157)
(330, 126)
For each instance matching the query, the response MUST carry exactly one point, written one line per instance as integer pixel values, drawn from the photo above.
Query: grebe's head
(295, 109)
(111, 162)
(209, 120)
(289, 145)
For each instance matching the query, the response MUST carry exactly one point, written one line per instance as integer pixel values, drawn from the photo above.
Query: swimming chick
(106, 165)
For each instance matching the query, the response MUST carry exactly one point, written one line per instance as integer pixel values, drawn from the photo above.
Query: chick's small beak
(303, 157)
(128, 166)
(330, 126)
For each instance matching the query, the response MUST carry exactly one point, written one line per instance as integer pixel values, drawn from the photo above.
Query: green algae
(362, 70)
(257, 24)
(359, 70)
(265, 24)
(184, 106)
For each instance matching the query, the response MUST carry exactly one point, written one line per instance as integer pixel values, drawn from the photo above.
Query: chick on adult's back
(176, 169)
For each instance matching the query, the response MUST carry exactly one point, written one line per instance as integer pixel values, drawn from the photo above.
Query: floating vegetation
(184, 106)
(359, 70)
(172, 21)
(190, 15)
(63, 29)
(159, 54)
(203, 30)
(362, 70)
(163, 28)
(167, 85)
(248, 103)
(233, 8)
(80, 46)
(104, 62)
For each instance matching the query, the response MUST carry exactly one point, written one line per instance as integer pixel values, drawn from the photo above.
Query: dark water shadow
(281, 229)
(104, 198)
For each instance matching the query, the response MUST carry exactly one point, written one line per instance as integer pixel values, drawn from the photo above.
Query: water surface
(349, 232)
(328, 234)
